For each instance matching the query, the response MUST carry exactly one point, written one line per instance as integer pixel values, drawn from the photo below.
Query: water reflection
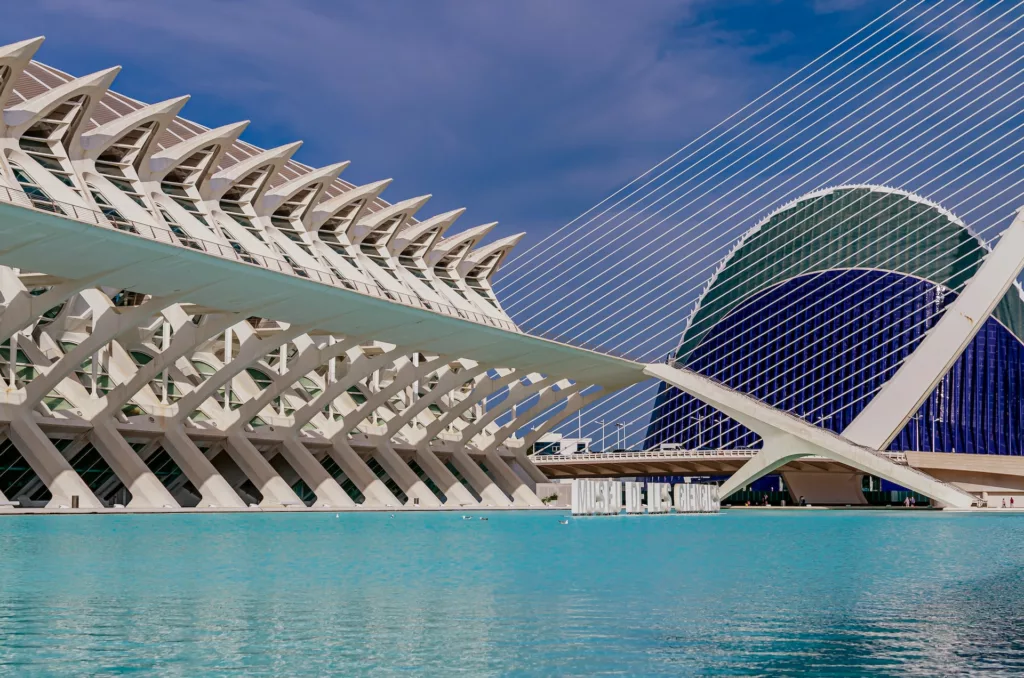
(743, 593)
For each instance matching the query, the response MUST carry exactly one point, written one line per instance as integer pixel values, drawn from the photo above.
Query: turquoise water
(742, 593)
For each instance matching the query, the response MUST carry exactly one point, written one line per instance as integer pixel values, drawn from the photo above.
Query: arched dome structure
(817, 306)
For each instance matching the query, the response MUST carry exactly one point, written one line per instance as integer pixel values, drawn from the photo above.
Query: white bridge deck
(83, 244)
(673, 462)
(80, 244)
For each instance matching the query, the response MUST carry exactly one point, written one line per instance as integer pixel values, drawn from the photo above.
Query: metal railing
(886, 454)
(113, 221)
(654, 455)
(643, 454)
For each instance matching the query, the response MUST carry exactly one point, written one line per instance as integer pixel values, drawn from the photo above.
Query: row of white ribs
(245, 407)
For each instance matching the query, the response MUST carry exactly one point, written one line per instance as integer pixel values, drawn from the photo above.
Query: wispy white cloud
(525, 111)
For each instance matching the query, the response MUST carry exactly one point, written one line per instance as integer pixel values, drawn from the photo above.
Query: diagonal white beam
(787, 436)
(902, 395)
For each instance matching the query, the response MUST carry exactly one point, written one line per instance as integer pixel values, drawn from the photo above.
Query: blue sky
(525, 112)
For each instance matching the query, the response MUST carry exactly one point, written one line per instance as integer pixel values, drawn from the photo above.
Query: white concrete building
(168, 376)
(187, 320)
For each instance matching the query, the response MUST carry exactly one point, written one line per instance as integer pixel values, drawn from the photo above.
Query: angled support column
(517, 393)
(187, 337)
(507, 479)
(4, 501)
(327, 490)
(309, 358)
(111, 483)
(272, 486)
(785, 434)
(251, 350)
(902, 395)
(358, 368)
(406, 374)
(146, 489)
(509, 482)
(486, 387)
(21, 310)
(445, 385)
(372, 487)
(573, 404)
(455, 492)
(490, 494)
(214, 490)
(51, 467)
(531, 470)
(406, 478)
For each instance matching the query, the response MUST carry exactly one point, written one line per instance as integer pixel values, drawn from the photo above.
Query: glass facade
(818, 339)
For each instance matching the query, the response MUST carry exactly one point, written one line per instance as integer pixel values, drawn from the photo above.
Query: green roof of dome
(848, 227)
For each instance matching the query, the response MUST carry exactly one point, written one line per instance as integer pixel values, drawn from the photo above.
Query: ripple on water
(744, 593)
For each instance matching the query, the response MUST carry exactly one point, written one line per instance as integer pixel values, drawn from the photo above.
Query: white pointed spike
(161, 163)
(441, 222)
(410, 206)
(473, 235)
(476, 256)
(27, 111)
(97, 140)
(21, 50)
(220, 182)
(364, 226)
(328, 208)
(276, 196)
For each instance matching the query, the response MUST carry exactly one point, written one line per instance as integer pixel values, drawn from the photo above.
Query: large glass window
(40, 199)
(45, 140)
(180, 183)
(110, 212)
(119, 161)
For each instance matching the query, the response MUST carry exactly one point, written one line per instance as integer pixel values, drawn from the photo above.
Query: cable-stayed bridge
(188, 319)
(807, 249)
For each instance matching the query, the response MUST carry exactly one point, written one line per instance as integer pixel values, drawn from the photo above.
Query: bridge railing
(644, 455)
(112, 220)
(654, 455)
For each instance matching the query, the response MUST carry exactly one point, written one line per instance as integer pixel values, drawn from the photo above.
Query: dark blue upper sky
(525, 111)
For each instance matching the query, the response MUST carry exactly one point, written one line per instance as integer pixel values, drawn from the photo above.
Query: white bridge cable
(836, 227)
(854, 320)
(868, 311)
(515, 301)
(848, 219)
(919, 135)
(1001, 207)
(935, 245)
(674, 291)
(891, 218)
(835, 360)
(521, 261)
(843, 145)
(866, 368)
(563, 268)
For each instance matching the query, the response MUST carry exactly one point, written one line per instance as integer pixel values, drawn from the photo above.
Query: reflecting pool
(742, 593)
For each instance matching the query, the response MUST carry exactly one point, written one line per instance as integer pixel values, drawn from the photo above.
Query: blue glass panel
(820, 344)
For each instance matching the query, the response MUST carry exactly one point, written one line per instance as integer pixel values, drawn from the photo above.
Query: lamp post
(917, 430)
(601, 422)
(621, 433)
(696, 423)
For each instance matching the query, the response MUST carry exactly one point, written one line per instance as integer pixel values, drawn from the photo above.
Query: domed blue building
(815, 309)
